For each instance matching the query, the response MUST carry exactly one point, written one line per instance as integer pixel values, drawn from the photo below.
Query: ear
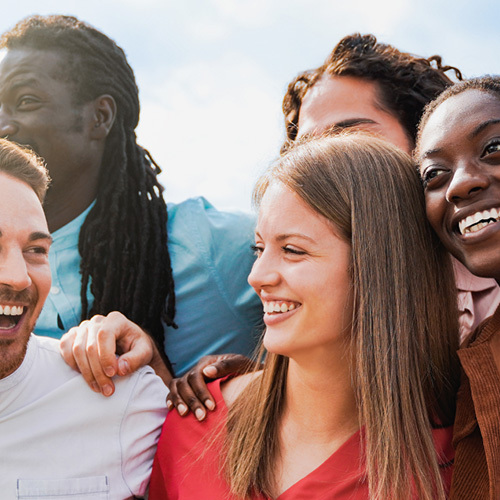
(104, 116)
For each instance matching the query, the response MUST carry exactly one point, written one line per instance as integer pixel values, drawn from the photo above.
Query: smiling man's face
(24, 268)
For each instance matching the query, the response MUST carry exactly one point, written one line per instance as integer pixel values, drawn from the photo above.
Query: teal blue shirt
(216, 310)
(63, 308)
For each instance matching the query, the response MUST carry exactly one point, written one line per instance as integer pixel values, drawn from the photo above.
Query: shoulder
(200, 212)
(233, 387)
(217, 241)
(49, 359)
(143, 388)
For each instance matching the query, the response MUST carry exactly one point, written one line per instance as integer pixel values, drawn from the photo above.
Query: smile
(276, 307)
(10, 316)
(477, 221)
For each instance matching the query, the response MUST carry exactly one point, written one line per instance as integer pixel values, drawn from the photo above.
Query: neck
(321, 399)
(65, 203)
(319, 416)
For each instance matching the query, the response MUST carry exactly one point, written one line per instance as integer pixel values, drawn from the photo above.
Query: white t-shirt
(60, 440)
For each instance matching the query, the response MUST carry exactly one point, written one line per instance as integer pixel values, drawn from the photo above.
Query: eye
(27, 102)
(293, 250)
(37, 251)
(257, 250)
(491, 148)
(431, 175)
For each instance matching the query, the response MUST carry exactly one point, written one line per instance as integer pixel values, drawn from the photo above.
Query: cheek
(435, 207)
(42, 280)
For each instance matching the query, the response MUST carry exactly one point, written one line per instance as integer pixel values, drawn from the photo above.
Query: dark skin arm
(190, 393)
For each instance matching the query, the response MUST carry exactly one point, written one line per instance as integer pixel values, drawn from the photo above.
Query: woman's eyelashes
(432, 174)
(258, 249)
(491, 148)
(293, 250)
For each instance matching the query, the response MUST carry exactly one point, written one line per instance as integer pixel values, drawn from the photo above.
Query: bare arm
(91, 348)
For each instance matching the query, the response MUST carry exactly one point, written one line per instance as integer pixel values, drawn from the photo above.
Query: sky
(212, 73)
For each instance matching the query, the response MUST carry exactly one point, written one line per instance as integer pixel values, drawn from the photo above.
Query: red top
(185, 469)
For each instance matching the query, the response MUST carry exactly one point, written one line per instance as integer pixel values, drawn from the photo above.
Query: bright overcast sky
(212, 73)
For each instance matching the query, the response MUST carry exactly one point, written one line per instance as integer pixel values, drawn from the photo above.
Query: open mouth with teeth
(277, 307)
(477, 221)
(10, 316)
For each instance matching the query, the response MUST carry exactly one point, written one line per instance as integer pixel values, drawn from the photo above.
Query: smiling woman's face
(459, 157)
(302, 276)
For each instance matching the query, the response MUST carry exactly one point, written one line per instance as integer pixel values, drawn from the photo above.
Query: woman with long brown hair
(358, 385)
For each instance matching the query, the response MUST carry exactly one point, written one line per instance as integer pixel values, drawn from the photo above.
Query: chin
(483, 267)
(12, 353)
(273, 346)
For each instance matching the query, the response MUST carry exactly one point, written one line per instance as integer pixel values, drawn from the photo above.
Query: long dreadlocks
(123, 240)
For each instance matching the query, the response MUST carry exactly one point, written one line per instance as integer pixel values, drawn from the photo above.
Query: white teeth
(278, 307)
(477, 221)
(11, 310)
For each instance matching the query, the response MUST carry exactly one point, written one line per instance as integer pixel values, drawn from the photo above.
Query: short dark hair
(24, 165)
(406, 82)
(486, 83)
(126, 229)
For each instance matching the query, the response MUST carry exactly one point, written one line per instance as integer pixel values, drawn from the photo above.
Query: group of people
(365, 276)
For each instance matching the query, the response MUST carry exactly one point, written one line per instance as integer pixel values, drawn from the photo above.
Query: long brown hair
(405, 330)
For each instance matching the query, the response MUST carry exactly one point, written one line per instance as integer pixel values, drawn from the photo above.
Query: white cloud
(213, 126)
(245, 12)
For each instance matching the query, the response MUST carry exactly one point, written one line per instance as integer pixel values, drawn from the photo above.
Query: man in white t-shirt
(58, 439)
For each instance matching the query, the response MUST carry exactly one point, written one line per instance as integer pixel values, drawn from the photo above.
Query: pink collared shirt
(478, 298)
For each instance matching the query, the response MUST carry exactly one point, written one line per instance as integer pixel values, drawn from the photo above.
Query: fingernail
(210, 371)
(209, 404)
(95, 387)
(107, 390)
(200, 414)
(170, 405)
(182, 409)
(123, 366)
(109, 371)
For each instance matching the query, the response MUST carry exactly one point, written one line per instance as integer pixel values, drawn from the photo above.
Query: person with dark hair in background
(388, 88)
(67, 91)
(57, 438)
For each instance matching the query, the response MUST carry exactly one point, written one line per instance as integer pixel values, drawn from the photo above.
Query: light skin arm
(190, 393)
(91, 348)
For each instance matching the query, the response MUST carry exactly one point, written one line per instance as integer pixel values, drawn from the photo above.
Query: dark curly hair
(123, 240)
(406, 82)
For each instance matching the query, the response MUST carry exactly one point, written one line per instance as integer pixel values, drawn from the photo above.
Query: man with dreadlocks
(67, 91)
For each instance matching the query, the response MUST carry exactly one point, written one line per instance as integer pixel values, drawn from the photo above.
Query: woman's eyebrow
(484, 125)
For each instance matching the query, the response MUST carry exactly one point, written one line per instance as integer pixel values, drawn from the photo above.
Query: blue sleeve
(217, 311)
